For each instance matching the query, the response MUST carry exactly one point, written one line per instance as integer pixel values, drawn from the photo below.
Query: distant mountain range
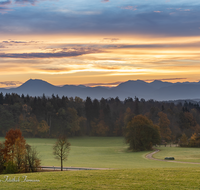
(156, 90)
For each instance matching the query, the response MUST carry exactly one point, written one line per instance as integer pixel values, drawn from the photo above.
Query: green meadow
(147, 179)
(179, 153)
(128, 170)
(108, 152)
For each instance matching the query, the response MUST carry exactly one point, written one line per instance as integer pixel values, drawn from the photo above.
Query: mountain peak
(130, 82)
(35, 83)
(35, 80)
(157, 81)
(160, 81)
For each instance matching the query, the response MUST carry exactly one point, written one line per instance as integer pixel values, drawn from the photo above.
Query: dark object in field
(169, 158)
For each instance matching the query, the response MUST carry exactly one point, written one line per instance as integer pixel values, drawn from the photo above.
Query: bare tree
(32, 162)
(61, 149)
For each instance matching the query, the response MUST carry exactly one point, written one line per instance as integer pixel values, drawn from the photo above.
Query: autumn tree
(19, 152)
(11, 137)
(164, 123)
(43, 128)
(141, 133)
(99, 128)
(17, 155)
(61, 149)
(28, 125)
(194, 140)
(184, 140)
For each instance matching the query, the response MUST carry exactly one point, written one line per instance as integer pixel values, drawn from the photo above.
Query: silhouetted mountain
(134, 88)
(159, 84)
(156, 90)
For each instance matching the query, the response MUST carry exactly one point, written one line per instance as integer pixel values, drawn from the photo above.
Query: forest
(49, 117)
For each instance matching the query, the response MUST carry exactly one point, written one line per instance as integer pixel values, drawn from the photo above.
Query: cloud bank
(123, 17)
(10, 83)
(65, 52)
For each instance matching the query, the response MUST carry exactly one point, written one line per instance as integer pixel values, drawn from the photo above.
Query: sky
(99, 42)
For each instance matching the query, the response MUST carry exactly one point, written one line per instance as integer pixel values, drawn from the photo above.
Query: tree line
(53, 116)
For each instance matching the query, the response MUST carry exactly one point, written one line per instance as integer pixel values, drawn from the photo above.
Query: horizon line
(16, 84)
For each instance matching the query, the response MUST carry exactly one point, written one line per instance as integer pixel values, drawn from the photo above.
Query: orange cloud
(116, 58)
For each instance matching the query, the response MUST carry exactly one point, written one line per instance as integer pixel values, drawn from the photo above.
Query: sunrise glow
(98, 43)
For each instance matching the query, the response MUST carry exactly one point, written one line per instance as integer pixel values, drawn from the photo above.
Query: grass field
(179, 153)
(131, 169)
(108, 152)
(147, 179)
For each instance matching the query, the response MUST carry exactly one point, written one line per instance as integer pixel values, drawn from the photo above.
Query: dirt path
(150, 156)
(57, 168)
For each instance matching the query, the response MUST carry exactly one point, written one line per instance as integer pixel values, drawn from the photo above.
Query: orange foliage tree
(15, 153)
(19, 152)
(194, 140)
(13, 138)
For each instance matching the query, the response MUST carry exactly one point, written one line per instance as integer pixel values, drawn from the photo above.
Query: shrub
(10, 168)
